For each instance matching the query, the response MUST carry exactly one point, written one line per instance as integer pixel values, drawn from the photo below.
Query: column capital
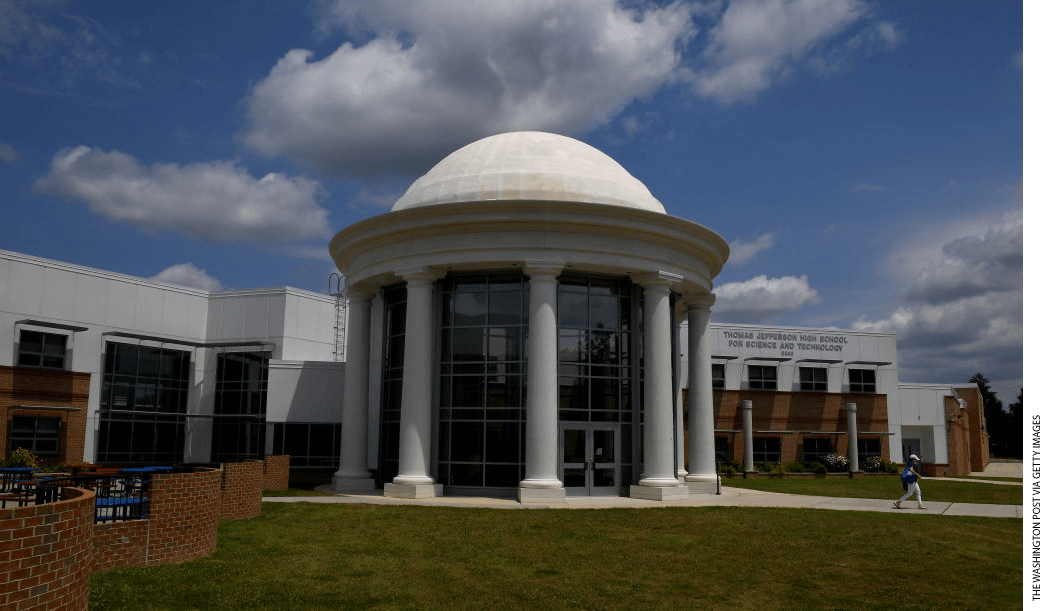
(849, 407)
(700, 300)
(543, 268)
(656, 279)
(420, 274)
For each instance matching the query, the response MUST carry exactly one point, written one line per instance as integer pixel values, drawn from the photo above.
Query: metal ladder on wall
(336, 290)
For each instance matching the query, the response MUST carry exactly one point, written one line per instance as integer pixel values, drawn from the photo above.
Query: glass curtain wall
(482, 382)
(238, 427)
(391, 382)
(600, 362)
(142, 410)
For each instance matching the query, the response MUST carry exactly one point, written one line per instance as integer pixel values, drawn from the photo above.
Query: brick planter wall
(46, 553)
(242, 494)
(276, 473)
(182, 523)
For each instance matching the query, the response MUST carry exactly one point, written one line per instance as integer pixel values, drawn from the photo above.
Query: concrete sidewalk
(729, 497)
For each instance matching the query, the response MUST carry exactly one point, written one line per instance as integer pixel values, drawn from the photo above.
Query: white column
(353, 476)
(853, 437)
(678, 399)
(747, 435)
(659, 481)
(542, 482)
(702, 479)
(414, 479)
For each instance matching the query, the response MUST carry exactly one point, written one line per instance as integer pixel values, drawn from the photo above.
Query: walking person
(910, 477)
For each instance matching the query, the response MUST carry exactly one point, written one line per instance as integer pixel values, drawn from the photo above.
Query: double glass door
(589, 459)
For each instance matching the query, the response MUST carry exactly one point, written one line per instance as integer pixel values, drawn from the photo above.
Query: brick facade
(46, 553)
(67, 391)
(242, 490)
(794, 416)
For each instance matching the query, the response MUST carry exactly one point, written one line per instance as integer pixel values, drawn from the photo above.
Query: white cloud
(758, 42)
(762, 299)
(743, 252)
(216, 200)
(187, 274)
(9, 153)
(964, 310)
(435, 76)
(865, 187)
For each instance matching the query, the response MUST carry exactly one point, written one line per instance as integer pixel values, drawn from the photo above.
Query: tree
(1016, 424)
(997, 418)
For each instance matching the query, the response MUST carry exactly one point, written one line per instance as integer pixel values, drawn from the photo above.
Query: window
(813, 378)
(142, 408)
(241, 404)
(718, 375)
(767, 450)
(309, 445)
(39, 349)
(862, 380)
(39, 435)
(763, 377)
(815, 448)
(723, 449)
(869, 447)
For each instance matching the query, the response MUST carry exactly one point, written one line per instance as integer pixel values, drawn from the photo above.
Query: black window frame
(719, 376)
(33, 349)
(35, 440)
(810, 379)
(763, 450)
(763, 377)
(862, 381)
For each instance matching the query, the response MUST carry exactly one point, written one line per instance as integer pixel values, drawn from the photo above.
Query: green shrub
(794, 467)
(873, 464)
(817, 467)
(778, 470)
(22, 457)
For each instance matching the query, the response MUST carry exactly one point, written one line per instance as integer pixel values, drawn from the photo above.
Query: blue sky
(864, 159)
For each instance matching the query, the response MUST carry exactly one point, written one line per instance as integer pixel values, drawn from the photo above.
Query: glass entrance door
(589, 459)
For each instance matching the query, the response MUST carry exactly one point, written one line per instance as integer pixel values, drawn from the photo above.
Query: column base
(353, 484)
(542, 495)
(413, 491)
(659, 493)
(704, 484)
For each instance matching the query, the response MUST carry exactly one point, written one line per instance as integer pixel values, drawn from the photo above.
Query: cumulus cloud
(418, 79)
(432, 76)
(762, 299)
(743, 252)
(187, 274)
(964, 310)
(217, 200)
(756, 43)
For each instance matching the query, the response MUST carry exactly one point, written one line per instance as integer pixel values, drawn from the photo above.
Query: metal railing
(118, 497)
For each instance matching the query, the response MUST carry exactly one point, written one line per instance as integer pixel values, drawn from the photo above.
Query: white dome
(528, 166)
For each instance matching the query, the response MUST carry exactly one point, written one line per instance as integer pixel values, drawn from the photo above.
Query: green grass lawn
(932, 489)
(303, 555)
(296, 492)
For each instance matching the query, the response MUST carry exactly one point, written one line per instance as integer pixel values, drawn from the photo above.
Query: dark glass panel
(468, 391)
(149, 362)
(502, 442)
(573, 346)
(503, 344)
(321, 440)
(466, 441)
(506, 308)
(603, 312)
(468, 344)
(469, 309)
(466, 475)
(573, 310)
(502, 476)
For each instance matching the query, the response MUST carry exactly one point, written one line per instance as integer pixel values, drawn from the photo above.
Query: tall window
(391, 381)
(813, 379)
(240, 407)
(869, 447)
(767, 450)
(718, 375)
(595, 355)
(142, 408)
(763, 377)
(482, 373)
(723, 449)
(862, 380)
(39, 349)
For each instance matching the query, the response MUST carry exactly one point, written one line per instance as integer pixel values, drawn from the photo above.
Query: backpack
(908, 477)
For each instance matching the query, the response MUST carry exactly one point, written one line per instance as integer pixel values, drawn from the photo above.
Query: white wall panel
(58, 294)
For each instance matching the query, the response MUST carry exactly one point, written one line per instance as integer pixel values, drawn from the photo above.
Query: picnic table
(10, 476)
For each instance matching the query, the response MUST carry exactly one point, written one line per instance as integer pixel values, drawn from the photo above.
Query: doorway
(589, 459)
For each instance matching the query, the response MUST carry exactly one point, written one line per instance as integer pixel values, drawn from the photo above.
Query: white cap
(914, 457)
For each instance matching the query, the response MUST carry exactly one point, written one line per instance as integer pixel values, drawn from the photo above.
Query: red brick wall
(979, 444)
(242, 495)
(276, 473)
(47, 387)
(182, 523)
(46, 553)
(798, 413)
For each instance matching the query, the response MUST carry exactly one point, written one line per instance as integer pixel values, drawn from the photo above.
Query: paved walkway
(729, 497)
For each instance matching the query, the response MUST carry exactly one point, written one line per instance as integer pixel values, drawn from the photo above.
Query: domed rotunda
(512, 331)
